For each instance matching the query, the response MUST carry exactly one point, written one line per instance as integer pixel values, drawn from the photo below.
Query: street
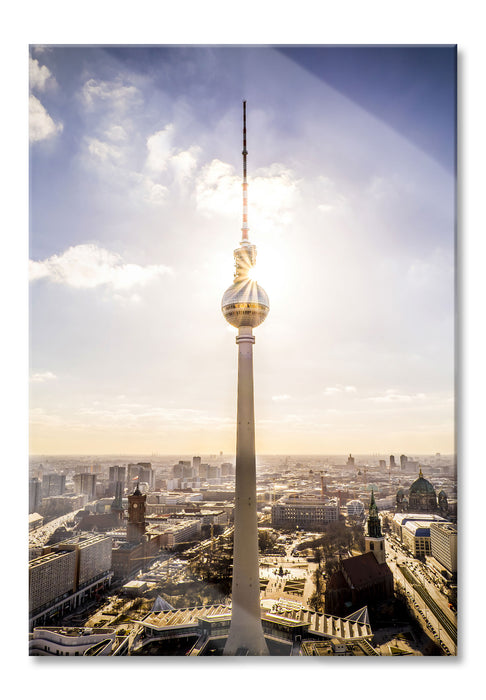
(429, 604)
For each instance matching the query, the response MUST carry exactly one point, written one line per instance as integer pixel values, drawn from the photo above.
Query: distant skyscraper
(53, 484)
(85, 483)
(196, 463)
(35, 495)
(245, 305)
(392, 462)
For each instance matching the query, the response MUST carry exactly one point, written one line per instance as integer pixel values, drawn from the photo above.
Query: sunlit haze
(136, 205)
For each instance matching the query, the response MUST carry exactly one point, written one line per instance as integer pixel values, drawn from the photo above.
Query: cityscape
(162, 584)
(295, 495)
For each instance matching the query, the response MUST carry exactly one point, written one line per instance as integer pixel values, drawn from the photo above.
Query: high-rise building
(245, 305)
(53, 484)
(85, 483)
(142, 472)
(117, 473)
(35, 495)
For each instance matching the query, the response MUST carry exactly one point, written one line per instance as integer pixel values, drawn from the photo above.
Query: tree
(266, 540)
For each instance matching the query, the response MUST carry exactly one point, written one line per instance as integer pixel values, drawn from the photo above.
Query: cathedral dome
(421, 487)
(422, 497)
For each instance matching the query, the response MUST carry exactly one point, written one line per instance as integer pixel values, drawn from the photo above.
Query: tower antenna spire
(244, 228)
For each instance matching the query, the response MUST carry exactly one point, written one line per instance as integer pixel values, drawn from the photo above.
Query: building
(288, 630)
(85, 483)
(141, 472)
(35, 521)
(227, 469)
(53, 485)
(35, 495)
(117, 479)
(54, 506)
(413, 530)
(67, 574)
(117, 473)
(365, 579)
(136, 516)
(421, 496)
(245, 305)
(307, 512)
(443, 545)
(184, 470)
(374, 540)
(51, 578)
(71, 641)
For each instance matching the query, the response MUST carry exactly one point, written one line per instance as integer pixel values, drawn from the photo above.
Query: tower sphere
(245, 303)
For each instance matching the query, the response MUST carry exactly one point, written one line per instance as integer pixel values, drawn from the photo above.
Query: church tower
(136, 516)
(374, 540)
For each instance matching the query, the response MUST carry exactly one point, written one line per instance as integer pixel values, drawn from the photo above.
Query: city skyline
(135, 209)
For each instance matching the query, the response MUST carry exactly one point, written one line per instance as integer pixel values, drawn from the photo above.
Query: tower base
(245, 636)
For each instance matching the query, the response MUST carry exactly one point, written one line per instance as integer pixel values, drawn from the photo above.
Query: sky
(135, 210)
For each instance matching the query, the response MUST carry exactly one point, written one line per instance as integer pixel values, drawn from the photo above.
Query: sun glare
(253, 273)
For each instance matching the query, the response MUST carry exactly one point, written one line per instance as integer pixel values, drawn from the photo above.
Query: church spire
(374, 524)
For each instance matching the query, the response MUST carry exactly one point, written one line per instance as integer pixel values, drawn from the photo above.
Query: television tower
(245, 305)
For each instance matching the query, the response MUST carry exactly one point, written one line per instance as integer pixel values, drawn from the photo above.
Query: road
(430, 605)
(39, 537)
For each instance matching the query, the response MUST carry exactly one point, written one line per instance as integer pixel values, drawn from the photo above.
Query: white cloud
(41, 124)
(39, 76)
(218, 189)
(103, 151)
(326, 192)
(281, 397)
(113, 93)
(153, 192)
(87, 266)
(148, 417)
(42, 376)
(390, 396)
(159, 148)
(338, 389)
(116, 132)
(162, 156)
(272, 194)
(184, 163)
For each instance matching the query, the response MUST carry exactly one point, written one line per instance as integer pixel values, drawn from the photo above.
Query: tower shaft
(246, 627)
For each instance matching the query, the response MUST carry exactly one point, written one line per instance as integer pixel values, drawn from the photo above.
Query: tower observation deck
(245, 305)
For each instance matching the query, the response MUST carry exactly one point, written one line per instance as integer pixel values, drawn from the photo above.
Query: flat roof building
(309, 512)
(443, 541)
